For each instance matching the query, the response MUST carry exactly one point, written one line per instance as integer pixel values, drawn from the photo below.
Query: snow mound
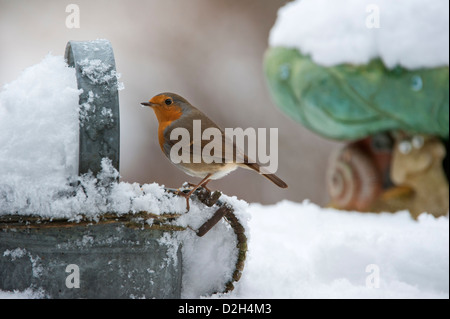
(300, 250)
(209, 261)
(411, 33)
(38, 134)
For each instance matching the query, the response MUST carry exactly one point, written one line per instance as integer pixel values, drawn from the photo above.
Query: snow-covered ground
(300, 250)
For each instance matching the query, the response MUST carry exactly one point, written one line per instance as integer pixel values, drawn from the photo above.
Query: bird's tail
(271, 177)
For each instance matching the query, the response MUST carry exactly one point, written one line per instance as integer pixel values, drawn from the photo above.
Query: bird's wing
(213, 142)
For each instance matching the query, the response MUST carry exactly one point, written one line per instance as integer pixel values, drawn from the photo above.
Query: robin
(173, 111)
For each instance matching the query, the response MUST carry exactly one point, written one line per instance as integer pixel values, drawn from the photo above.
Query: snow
(26, 294)
(411, 33)
(16, 253)
(99, 72)
(300, 250)
(38, 134)
(39, 142)
(209, 261)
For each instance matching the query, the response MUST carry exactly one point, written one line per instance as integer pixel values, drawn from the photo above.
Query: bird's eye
(168, 101)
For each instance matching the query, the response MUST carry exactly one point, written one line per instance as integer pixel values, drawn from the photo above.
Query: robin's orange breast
(165, 118)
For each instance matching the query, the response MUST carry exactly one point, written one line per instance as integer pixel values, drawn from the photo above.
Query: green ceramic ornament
(349, 102)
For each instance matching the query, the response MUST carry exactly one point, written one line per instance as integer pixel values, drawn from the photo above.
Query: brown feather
(271, 177)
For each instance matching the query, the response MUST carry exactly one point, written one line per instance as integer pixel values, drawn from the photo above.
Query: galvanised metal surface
(112, 260)
(99, 103)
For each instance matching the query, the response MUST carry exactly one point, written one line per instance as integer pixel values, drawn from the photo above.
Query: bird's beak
(148, 104)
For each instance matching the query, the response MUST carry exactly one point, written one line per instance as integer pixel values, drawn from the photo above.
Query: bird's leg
(191, 185)
(188, 195)
(204, 186)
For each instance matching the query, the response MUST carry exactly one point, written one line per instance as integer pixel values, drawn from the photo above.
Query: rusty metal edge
(134, 220)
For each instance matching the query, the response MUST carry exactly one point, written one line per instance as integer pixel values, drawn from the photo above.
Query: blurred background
(210, 52)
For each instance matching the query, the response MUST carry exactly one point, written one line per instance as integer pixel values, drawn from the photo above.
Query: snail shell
(353, 179)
